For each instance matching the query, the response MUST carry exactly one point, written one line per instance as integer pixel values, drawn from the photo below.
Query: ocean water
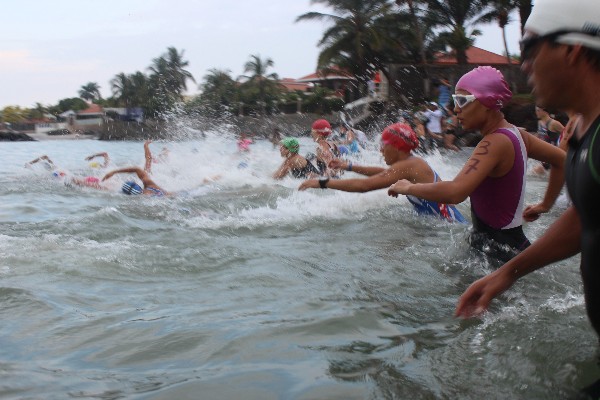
(246, 288)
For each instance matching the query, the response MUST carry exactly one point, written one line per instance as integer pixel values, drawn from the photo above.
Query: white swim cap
(582, 17)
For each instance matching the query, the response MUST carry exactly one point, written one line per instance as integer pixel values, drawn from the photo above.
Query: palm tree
(502, 10)
(416, 26)
(457, 16)
(167, 81)
(524, 7)
(353, 41)
(219, 90)
(90, 91)
(258, 67)
(38, 111)
(130, 90)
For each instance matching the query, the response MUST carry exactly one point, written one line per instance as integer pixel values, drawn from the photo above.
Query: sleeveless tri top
(498, 202)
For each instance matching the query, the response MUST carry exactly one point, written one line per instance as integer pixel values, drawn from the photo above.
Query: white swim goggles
(461, 100)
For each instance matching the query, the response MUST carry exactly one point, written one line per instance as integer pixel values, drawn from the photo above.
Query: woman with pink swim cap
(397, 142)
(494, 175)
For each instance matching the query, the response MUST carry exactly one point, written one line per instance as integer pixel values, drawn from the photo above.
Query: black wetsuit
(582, 174)
(304, 172)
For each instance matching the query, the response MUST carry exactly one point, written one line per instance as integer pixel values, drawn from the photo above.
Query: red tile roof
(475, 55)
(324, 76)
(92, 109)
(292, 84)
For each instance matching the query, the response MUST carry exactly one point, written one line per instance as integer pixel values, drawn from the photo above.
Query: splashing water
(244, 287)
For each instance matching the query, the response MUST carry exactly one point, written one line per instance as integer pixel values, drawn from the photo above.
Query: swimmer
(45, 161)
(397, 143)
(131, 187)
(244, 143)
(67, 179)
(95, 164)
(294, 164)
(494, 175)
(561, 49)
(326, 151)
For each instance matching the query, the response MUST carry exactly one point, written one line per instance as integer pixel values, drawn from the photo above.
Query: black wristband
(323, 183)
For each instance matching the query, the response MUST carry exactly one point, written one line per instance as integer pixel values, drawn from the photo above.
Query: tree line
(361, 37)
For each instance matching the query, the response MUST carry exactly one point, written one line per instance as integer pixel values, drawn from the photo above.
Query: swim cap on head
(488, 86)
(131, 188)
(94, 164)
(291, 144)
(401, 136)
(580, 16)
(91, 180)
(58, 174)
(322, 127)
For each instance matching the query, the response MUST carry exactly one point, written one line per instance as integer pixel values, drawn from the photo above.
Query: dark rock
(7, 136)
(58, 132)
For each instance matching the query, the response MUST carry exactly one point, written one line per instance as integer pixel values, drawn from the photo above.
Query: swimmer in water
(95, 164)
(397, 143)
(294, 164)
(494, 176)
(68, 179)
(326, 151)
(150, 188)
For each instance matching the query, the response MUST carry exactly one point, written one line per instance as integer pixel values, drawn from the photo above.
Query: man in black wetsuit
(561, 55)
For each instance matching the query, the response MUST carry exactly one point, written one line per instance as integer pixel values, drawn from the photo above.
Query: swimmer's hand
(336, 163)
(400, 187)
(476, 299)
(532, 213)
(308, 184)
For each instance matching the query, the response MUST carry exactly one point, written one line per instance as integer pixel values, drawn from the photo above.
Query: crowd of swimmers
(561, 56)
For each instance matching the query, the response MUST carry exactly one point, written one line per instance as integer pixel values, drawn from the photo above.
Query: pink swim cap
(488, 86)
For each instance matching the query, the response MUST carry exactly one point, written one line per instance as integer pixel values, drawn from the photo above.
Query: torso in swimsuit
(497, 206)
(427, 207)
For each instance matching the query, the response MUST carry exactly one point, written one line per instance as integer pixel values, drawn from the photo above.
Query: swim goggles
(529, 45)
(461, 100)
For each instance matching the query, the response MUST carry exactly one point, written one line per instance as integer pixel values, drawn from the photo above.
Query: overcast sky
(49, 49)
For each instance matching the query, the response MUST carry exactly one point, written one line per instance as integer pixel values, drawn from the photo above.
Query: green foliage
(157, 93)
(74, 103)
(14, 114)
(356, 40)
(90, 91)
(219, 95)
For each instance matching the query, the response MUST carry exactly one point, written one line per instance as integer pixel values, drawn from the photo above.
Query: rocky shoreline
(189, 128)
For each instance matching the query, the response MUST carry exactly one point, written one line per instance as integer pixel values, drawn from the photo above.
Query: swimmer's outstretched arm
(336, 163)
(44, 157)
(103, 155)
(143, 175)
(148, 156)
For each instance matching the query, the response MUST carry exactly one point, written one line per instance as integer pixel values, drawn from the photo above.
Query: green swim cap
(291, 144)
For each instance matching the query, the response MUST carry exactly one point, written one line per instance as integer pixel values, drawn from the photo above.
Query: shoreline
(71, 136)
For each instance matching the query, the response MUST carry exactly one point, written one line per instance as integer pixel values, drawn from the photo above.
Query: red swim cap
(322, 127)
(400, 136)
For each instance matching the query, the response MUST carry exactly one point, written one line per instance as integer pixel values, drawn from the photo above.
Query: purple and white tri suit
(497, 206)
